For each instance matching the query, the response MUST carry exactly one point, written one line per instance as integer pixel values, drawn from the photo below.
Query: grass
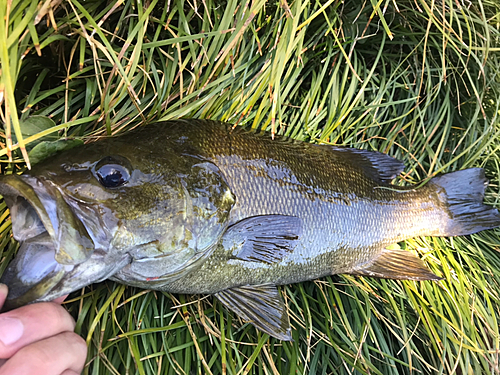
(417, 79)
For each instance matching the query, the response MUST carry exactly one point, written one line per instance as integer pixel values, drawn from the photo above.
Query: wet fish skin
(211, 209)
(174, 207)
(333, 191)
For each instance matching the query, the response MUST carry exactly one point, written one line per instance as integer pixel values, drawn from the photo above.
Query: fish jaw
(57, 253)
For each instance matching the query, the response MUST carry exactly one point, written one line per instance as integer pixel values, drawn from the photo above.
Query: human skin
(39, 339)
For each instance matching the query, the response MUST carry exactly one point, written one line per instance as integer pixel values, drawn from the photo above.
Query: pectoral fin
(262, 306)
(266, 239)
(396, 264)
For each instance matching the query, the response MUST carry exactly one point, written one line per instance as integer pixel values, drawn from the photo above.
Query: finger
(28, 324)
(3, 294)
(53, 356)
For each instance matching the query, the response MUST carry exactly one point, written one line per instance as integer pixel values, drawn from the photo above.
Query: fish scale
(195, 206)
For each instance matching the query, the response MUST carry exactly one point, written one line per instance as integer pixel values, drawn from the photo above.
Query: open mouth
(53, 240)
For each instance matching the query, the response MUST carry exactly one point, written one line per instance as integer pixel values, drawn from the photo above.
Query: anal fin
(396, 264)
(262, 306)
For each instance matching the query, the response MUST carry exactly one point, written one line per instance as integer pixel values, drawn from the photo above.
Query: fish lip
(69, 235)
(54, 242)
(12, 188)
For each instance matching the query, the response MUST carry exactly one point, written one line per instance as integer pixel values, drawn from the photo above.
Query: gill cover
(195, 226)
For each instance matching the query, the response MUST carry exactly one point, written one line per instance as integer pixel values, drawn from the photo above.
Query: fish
(203, 207)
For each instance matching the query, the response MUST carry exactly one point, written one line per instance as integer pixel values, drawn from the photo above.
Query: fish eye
(112, 171)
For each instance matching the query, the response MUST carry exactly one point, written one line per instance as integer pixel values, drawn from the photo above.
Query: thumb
(3, 294)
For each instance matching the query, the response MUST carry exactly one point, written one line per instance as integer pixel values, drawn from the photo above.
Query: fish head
(98, 210)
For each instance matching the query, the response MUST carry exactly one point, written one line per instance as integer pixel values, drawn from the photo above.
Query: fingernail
(3, 289)
(11, 330)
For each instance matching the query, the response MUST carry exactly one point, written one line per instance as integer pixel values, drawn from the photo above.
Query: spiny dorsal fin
(378, 166)
(266, 239)
(262, 306)
(396, 264)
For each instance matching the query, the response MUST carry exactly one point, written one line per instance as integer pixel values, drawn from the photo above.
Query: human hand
(39, 339)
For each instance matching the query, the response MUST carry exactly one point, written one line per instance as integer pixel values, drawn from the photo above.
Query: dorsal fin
(376, 165)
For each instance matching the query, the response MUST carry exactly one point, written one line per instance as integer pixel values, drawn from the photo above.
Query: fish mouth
(56, 249)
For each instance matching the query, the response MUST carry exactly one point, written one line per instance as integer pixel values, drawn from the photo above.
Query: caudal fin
(463, 193)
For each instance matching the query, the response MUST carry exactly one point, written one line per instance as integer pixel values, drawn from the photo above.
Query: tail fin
(464, 194)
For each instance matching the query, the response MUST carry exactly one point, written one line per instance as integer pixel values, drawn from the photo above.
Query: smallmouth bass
(192, 206)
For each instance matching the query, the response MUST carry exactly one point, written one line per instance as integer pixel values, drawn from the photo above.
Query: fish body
(193, 206)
